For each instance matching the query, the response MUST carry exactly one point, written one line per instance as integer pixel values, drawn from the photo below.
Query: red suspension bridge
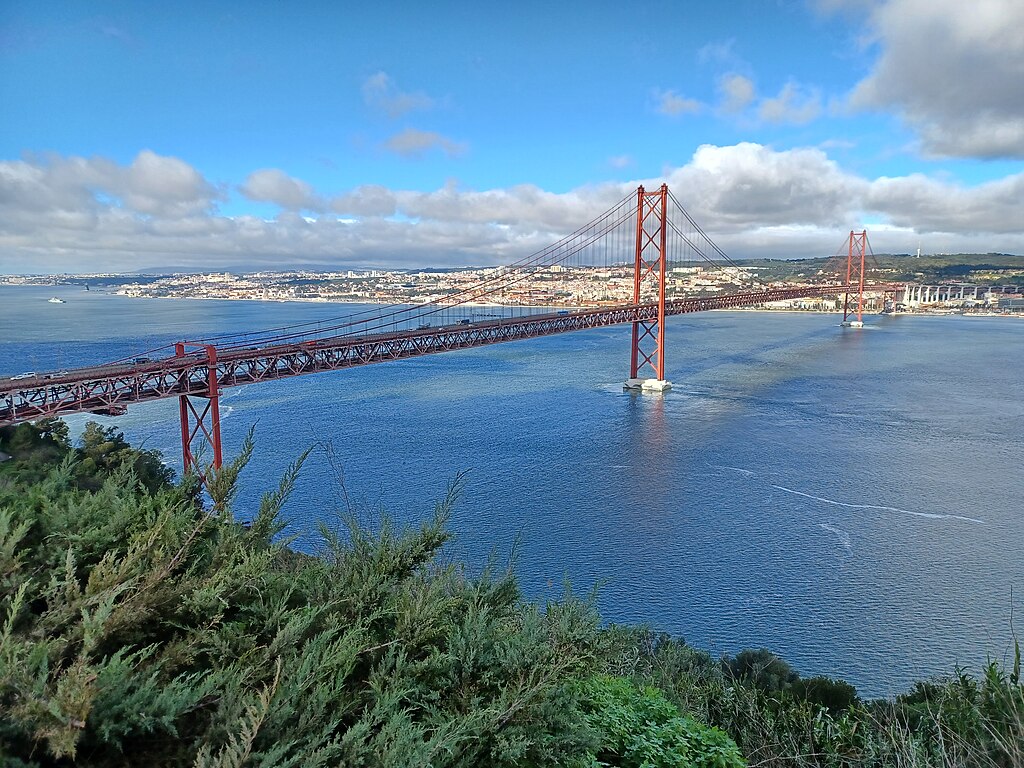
(644, 233)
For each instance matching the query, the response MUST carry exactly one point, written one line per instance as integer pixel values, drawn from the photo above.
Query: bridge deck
(111, 388)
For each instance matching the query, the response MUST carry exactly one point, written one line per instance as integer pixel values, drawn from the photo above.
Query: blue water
(850, 499)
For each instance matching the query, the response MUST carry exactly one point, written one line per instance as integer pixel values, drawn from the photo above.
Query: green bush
(761, 669)
(36, 448)
(833, 695)
(137, 628)
(640, 728)
(780, 720)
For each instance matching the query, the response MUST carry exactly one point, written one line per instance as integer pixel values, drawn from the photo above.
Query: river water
(851, 499)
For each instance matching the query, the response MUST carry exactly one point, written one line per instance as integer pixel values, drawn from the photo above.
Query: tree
(761, 669)
(33, 448)
(104, 451)
(833, 695)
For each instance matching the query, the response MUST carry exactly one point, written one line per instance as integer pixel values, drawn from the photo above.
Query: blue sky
(227, 134)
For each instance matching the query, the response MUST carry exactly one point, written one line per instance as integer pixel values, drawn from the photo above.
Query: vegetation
(780, 719)
(140, 627)
(36, 448)
(982, 269)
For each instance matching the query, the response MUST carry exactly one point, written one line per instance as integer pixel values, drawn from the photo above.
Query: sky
(271, 135)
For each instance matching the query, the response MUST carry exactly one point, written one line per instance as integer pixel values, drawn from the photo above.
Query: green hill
(980, 268)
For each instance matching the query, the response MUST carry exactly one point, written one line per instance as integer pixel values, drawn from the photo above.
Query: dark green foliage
(833, 695)
(982, 268)
(36, 448)
(780, 719)
(640, 728)
(105, 451)
(137, 628)
(33, 449)
(970, 719)
(761, 669)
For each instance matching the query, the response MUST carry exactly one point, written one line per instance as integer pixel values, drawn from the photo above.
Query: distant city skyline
(442, 135)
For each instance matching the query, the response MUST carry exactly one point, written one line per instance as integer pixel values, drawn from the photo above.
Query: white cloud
(927, 205)
(366, 200)
(620, 161)
(525, 206)
(737, 92)
(271, 185)
(151, 185)
(414, 143)
(752, 186)
(720, 52)
(794, 104)
(83, 214)
(672, 104)
(380, 92)
(953, 69)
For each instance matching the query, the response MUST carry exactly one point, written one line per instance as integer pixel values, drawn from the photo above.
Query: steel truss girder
(102, 388)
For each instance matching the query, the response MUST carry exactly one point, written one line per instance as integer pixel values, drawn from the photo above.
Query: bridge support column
(204, 423)
(855, 279)
(648, 343)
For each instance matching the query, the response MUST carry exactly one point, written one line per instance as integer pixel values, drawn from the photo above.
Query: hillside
(981, 268)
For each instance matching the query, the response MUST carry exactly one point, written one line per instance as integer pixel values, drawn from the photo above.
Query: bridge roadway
(109, 389)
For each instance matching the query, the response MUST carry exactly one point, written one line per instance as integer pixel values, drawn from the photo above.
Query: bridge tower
(648, 347)
(195, 422)
(855, 255)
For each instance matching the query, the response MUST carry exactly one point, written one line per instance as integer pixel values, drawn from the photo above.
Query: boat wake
(932, 515)
(843, 536)
(745, 472)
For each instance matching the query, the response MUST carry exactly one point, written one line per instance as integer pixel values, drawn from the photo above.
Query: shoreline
(487, 305)
(1018, 315)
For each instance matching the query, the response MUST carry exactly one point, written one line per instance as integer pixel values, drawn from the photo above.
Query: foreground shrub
(640, 728)
(780, 720)
(138, 628)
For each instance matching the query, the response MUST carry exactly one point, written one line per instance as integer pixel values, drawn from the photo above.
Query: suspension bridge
(643, 235)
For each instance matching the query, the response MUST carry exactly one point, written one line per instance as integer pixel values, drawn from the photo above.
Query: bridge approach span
(110, 389)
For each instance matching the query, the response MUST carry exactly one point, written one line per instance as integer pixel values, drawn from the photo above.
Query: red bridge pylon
(856, 253)
(648, 348)
(195, 422)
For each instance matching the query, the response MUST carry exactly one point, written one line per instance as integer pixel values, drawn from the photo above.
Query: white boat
(55, 300)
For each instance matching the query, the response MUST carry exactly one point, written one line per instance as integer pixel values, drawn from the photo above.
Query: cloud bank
(76, 214)
(953, 70)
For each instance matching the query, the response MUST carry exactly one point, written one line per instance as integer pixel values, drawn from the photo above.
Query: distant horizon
(170, 271)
